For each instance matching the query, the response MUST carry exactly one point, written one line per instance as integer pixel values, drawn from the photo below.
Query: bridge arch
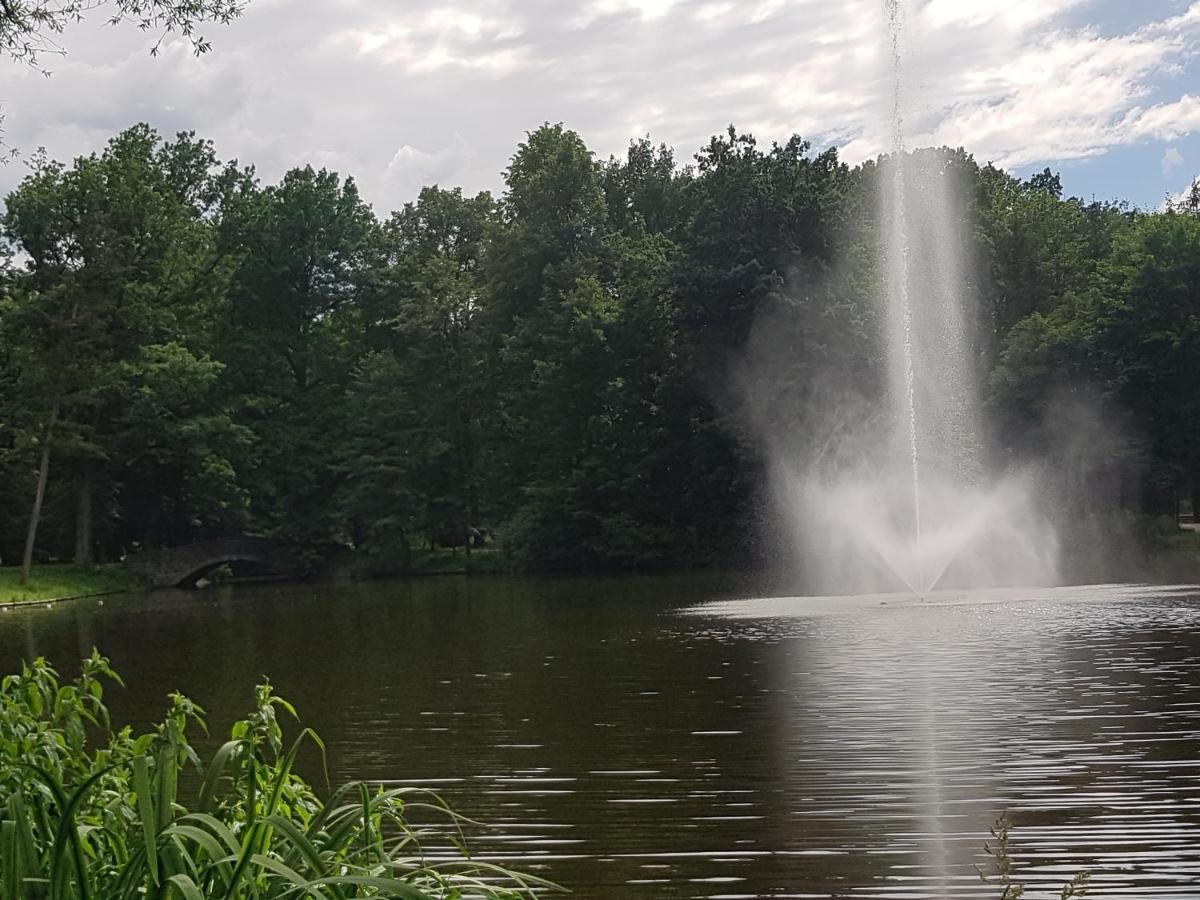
(184, 566)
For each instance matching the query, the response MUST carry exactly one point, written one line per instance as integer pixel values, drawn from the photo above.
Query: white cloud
(455, 83)
(1183, 195)
(645, 9)
(413, 168)
(1164, 121)
(432, 39)
(1190, 17)
(1045, 96)
(1011, 14)
(1172, 159)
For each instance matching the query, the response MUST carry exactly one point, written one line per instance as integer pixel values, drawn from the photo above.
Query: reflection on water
(631, 739)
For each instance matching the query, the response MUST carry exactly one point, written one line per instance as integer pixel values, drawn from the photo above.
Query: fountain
(913, 504)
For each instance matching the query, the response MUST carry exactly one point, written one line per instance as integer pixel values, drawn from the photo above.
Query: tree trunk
(178, 537)
(152, 536)
(39, 495)
(84, 554)
(465, 481)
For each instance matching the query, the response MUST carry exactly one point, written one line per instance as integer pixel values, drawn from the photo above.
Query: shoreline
(7, 605)
(59, 582)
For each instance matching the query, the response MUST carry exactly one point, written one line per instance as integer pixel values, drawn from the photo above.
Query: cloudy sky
(402, 93)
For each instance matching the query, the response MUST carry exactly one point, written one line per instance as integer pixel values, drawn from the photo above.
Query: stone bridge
(184, 566)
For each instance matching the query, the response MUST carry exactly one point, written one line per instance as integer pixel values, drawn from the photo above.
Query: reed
(90, 812)
(1001, 870)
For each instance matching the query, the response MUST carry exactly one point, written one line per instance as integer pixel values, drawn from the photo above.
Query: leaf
(185, 887)
(145, 802)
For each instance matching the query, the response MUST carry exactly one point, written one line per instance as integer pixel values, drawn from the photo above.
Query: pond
(668, 738)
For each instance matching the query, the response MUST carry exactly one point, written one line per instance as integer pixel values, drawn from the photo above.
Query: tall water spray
(899, 297)
(910, 501)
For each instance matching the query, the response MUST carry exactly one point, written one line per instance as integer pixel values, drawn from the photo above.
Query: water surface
(669, 738)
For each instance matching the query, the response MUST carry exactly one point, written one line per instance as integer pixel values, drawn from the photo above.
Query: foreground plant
(1002, 867)
(92, 813)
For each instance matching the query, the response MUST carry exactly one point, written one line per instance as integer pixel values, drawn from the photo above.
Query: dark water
(624, 744)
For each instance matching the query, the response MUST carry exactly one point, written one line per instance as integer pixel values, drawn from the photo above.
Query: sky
(404, 93)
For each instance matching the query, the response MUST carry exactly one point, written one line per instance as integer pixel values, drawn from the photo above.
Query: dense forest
(570, 374)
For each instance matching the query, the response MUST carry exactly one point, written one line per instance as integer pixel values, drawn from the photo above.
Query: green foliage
(1130, 332)
(92, 811)
(590, 366)
(411, 461)
(305, 249)
(110, 327)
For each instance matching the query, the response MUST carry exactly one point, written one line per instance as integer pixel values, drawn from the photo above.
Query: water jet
(917, 505)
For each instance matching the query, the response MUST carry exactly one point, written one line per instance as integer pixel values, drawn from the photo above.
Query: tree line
(563, 370)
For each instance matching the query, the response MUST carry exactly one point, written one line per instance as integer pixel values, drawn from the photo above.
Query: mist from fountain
(918, 509)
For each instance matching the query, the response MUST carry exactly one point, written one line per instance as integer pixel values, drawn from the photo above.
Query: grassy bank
(54, 582)
(482, 561)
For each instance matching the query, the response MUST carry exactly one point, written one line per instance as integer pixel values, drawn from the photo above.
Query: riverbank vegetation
(572, 374)
(57, 582)
(92, 810)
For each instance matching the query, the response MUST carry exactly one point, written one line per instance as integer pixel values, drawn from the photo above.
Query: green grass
(483, 560)
(1185, 541)
(54, 582)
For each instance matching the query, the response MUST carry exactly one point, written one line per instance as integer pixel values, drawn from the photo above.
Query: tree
(1150, 345)
(1188, 202)
(761, 230)
(642, 192)
(1039, 246)
(28, 27)
(417, 402)
(306, 249)
(1130, 338)
(546, 315)
(600, 365)
(551, 226)
(122, 273)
